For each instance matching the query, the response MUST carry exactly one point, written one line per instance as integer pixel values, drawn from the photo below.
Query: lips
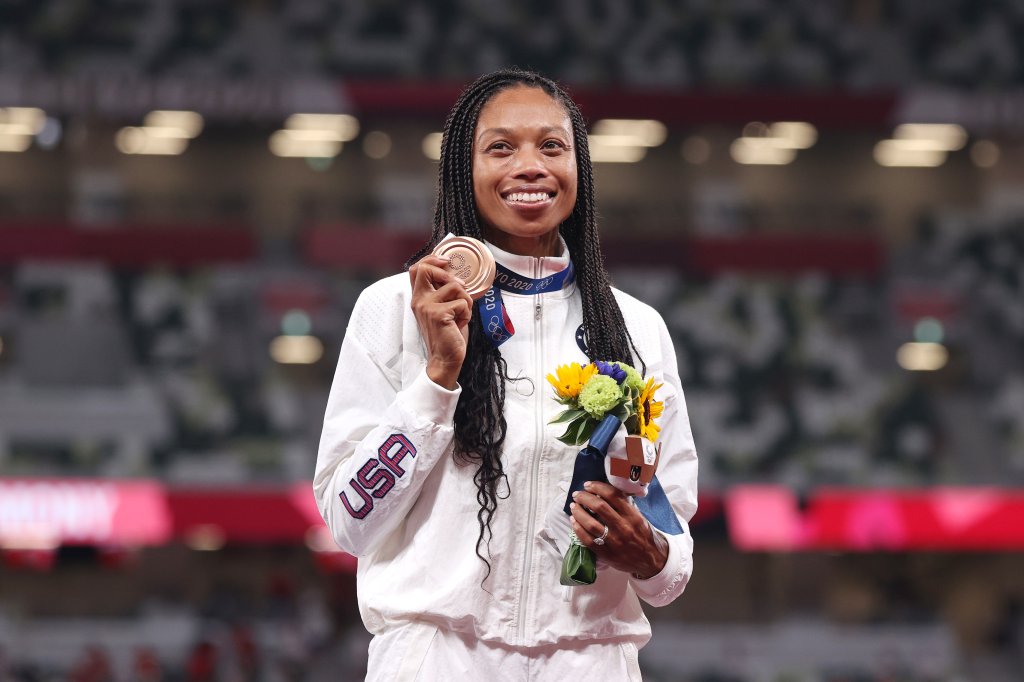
(527, 196)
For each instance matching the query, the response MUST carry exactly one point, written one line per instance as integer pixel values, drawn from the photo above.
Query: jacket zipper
(538, 434)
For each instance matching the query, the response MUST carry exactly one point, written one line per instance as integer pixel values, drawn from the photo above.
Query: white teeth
(527, 197)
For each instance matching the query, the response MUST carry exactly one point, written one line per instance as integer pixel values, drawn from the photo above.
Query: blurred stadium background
(822, 197)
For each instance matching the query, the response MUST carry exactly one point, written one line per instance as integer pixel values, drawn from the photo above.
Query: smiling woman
(524, 171)
(421, 442)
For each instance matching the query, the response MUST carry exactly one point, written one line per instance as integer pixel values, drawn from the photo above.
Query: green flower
(633, 379)
(599, 395)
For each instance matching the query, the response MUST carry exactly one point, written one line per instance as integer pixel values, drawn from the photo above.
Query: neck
(539, 247)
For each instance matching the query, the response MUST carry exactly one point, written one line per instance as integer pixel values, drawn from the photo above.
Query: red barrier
(824, 109)
(768, 518)
(39, 515)
(127, 245)
(379, 250)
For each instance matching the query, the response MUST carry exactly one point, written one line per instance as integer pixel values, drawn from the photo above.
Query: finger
(459, 312)
(598, 506)
(429, 277)
(591, 526)
(454, 290)
(431, 261)
(437, 261)
(585, 534)
(610, 494)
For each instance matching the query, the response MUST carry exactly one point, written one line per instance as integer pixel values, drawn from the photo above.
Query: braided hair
(480, 426)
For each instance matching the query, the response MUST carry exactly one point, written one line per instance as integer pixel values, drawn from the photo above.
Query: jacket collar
(527, 265)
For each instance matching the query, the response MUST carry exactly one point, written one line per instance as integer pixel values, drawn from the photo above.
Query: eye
(499, 146)
(554, 144)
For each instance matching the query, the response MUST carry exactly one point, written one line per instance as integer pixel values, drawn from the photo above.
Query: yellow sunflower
(570, 379)
(647, 410)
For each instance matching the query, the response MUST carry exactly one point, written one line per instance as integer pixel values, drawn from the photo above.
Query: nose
(530, 164)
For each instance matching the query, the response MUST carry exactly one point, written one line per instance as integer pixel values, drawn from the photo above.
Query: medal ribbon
(497, 323)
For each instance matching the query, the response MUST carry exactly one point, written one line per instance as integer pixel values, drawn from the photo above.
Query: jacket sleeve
(677, 472)
(380, 440)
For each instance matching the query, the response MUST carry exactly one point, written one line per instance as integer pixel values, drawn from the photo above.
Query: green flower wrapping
(579, 565)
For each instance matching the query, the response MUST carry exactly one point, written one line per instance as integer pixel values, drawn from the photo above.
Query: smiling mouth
(527, 198)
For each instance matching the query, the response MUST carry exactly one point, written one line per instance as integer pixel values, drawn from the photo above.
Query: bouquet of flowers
(600, 398)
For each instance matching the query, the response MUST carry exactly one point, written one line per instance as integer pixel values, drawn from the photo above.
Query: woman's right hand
(443, 310)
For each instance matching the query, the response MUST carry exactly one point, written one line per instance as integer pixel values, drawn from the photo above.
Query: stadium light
(141, 140)
(908, 153)
(605, 151)
(163, 123)
(622, 140)
(630, 132)
(286, 143)
(335, 127)
(772, 144)
(14, 143)
(761, 151)
(432, 146)
(21, 120)
(947, 137)
(163, 133)
(296, 350)
(793, 134)
(18, 125)
(917, 356)
(314, 136)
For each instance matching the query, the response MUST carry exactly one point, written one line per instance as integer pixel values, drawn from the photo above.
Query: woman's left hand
(631, 545)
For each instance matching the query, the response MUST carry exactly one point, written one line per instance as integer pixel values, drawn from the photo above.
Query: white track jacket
(393, 495)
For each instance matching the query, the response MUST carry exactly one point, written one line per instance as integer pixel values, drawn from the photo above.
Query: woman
(437, 464)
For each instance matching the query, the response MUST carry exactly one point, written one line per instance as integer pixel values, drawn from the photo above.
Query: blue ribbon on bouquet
(589, 466)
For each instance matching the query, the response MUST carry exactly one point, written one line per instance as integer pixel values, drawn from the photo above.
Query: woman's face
(524, 170)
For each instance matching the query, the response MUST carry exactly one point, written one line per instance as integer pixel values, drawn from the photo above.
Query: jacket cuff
(431, 402)
(665, 586)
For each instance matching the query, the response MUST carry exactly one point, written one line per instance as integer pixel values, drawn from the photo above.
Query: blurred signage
(978, 112)
(217, 98)
(43, 514)
(770, 518)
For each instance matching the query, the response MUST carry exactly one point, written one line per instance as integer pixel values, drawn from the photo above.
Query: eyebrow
(507, 132)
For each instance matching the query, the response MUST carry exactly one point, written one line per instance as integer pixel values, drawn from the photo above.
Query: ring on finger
(601, 538)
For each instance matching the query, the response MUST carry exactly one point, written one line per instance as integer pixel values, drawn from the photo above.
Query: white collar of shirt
(527, 265)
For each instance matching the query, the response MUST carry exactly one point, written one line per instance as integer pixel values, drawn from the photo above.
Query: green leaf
(620, 411)
(564, 438)
(586, 429)
(572, 430)
(567, 416)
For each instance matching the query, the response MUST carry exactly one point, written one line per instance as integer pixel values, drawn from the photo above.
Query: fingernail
(588, 485)
(576, 494)
(572, 505)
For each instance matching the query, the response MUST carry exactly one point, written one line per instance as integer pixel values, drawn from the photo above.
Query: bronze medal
(470, 261)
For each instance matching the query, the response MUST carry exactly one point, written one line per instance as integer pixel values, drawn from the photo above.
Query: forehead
(523, 107)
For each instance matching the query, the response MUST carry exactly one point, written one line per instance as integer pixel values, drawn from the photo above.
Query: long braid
(480, 426)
